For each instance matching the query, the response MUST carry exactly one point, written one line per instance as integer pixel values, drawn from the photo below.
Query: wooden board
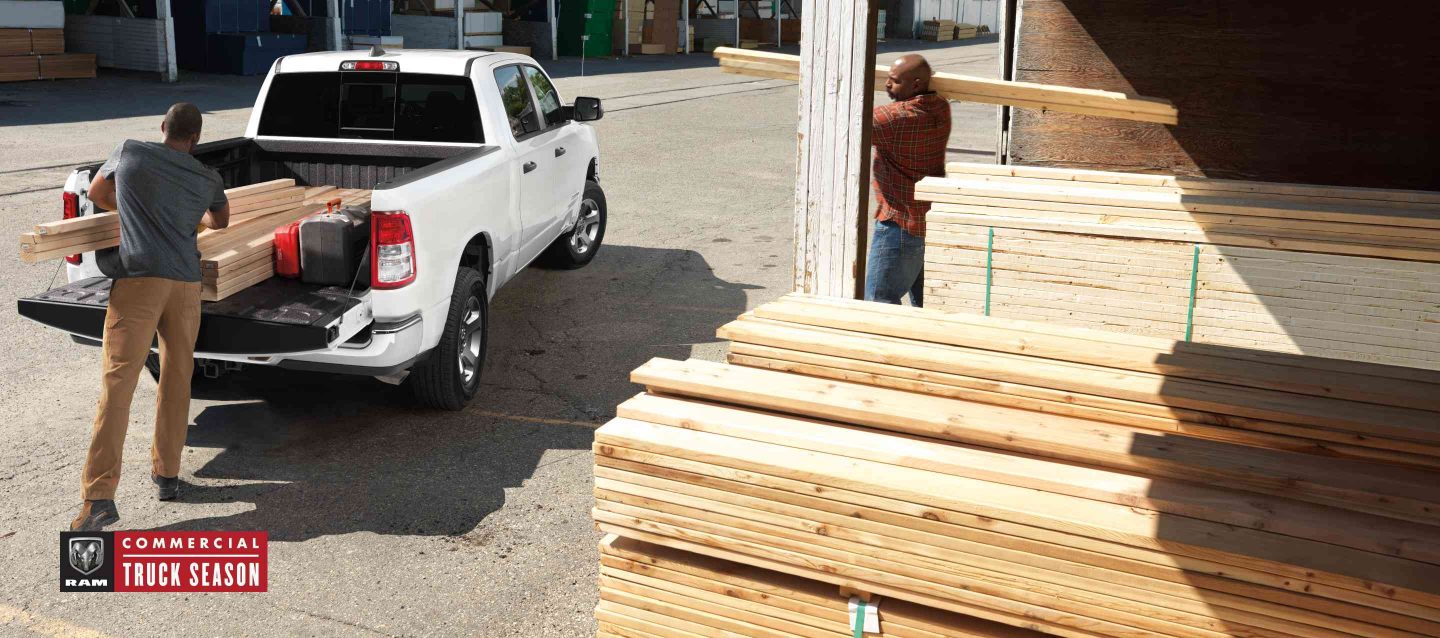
(49, 42)
(988, 91)
(14, 42)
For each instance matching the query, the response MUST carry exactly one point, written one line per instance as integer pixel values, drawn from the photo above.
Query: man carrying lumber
(161, 194)
(910, 135)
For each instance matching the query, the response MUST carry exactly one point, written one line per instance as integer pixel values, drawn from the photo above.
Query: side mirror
(587, 109)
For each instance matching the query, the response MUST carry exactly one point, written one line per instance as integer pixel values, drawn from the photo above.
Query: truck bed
(276, 316)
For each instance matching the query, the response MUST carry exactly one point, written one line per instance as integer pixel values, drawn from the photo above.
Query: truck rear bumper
(392, 347)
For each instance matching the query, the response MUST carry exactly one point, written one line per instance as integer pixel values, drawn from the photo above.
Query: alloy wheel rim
(587, 227)
(472, 337)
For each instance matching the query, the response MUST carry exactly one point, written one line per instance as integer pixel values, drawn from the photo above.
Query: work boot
(95, 515)
(167, 489)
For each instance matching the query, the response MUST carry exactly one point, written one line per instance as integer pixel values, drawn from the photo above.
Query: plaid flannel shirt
(910, 137)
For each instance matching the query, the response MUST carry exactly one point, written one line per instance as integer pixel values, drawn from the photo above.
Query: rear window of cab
(411, 107)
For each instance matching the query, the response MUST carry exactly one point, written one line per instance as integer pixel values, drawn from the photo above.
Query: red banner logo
(191, 561)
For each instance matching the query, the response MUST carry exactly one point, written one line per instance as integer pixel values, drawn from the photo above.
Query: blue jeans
(896, 265)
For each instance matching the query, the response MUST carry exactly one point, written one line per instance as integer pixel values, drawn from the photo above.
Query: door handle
(559, 151)
(529, 166)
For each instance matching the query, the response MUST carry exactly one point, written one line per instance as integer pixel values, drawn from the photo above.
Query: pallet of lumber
(1334, 272)
(1326, 407)
(974, 89)
(652, 590)
(937, 30)
(18, 42)
(968, 505)
(19, 68)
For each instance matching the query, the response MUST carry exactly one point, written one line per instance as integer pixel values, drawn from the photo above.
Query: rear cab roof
(437, 62)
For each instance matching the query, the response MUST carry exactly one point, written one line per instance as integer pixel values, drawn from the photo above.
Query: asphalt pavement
(385, 519)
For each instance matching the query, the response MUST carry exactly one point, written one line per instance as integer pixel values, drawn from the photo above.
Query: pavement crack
(342, 621)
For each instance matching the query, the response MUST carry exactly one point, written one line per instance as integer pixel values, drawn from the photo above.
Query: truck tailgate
(276, 316)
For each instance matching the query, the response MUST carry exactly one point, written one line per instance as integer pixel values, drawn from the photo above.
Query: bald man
(910, 135)
(162, 194)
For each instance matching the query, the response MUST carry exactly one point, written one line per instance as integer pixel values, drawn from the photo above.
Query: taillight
(392, 249)
(72, 210)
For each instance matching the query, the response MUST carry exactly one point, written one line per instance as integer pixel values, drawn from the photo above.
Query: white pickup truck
(477, 169)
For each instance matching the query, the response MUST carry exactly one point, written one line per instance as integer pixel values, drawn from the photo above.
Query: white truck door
(570, 163)
(535, 159)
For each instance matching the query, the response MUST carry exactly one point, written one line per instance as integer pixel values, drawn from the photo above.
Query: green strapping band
(989, 267)
(1190, 311)
(859, 619)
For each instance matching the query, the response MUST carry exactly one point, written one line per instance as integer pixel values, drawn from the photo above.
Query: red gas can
(287, 250)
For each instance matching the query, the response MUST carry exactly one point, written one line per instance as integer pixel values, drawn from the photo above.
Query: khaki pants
(139, 308)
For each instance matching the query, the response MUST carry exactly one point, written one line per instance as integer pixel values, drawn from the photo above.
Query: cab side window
(546, 95)
(515, 95)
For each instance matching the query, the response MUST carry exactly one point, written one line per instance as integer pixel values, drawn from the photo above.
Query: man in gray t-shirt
(161, 193)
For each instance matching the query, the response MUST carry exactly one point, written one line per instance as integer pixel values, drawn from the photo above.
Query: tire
(450, 376)
(152, 364)
(578, 246)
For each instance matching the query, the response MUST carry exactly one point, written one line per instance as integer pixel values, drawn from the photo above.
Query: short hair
(182, 121)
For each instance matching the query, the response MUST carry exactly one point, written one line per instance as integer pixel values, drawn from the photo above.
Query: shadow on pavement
(333, 454)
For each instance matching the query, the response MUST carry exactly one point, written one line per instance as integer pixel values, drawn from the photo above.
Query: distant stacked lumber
(965, 31)
(1280, 401)
(1058, 524)
(974, 89)
(1339, 272)
(241, 256)
(651, 590)
(937, 30)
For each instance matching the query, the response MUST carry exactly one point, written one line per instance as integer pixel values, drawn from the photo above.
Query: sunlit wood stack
(975, 89)
(1338, 272)
(1032, 516)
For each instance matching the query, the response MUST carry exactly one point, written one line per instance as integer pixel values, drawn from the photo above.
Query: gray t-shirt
(162, 194)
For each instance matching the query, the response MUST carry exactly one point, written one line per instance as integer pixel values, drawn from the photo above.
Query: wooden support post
(162, 9)
(832, 195)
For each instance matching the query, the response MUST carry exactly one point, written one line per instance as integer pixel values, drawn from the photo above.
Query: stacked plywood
(973, 89)
(231, 259)
(1014, 514)
(1335, 272)
(650, 590)
(117, 42)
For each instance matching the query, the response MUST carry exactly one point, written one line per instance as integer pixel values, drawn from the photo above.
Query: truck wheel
(449, 378)
(577, 247)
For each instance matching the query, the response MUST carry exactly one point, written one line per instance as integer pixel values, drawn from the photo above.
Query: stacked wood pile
(974, 89)
(231, 259)
(965, 31)
(1011, 512)
(39, 54)
(937, 30)
(650, 590)
(1338, 272)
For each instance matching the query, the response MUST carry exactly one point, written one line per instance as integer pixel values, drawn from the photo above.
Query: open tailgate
(276, 316)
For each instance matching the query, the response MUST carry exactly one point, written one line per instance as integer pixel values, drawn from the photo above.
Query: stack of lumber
(650, 590)
(1060, 524)
(32, 44)
(1337, 272)
(974, 89)
(1296, 403)
(241, 256)
(937, 30)
(232, 259)
(965, 31)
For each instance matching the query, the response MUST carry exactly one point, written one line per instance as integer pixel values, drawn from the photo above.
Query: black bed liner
(275, 316)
